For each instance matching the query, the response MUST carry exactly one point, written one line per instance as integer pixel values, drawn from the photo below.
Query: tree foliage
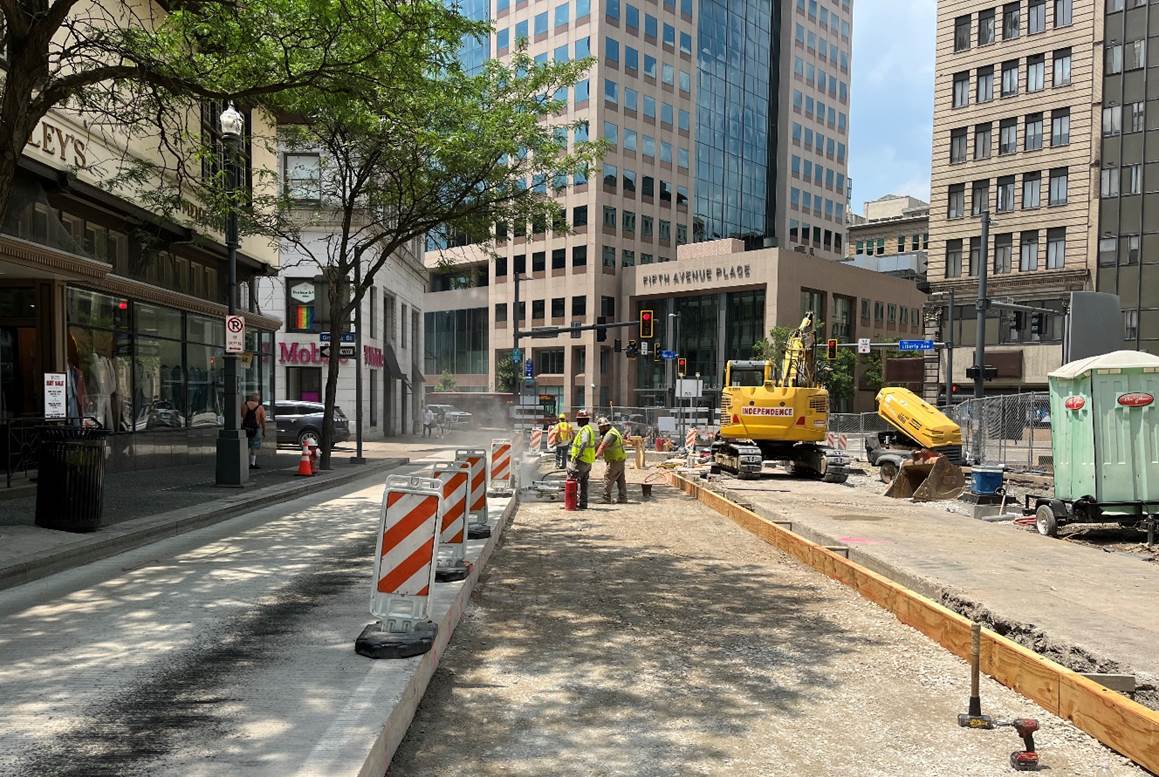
(506, 374)
(447, 382)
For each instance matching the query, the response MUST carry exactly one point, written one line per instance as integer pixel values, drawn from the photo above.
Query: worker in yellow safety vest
(563, 434)
(583, 455)
(612, 449)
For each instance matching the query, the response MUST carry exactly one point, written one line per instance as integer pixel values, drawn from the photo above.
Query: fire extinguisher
(570, 494)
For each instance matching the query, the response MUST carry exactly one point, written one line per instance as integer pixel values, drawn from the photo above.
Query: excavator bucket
(927, 481)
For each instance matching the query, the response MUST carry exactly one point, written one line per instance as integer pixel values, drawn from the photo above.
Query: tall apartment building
(726, 118)
(1015, 134)
(1128, 207)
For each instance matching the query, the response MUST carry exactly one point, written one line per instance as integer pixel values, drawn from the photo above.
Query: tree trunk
(333, 364)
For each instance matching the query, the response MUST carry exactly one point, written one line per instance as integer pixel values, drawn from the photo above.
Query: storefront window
(99, 359)
(205, 354)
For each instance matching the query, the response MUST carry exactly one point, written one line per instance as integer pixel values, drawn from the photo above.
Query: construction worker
(612, 449)
(583, 455)
(563, 434)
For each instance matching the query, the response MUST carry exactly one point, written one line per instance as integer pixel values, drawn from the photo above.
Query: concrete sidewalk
(1090, 610)
(144, 506)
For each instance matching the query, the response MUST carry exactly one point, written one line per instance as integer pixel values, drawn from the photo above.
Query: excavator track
(741, 458)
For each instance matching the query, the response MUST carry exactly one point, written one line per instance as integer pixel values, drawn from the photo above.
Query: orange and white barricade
(452, 562)
(552, 438)
(838, 441)
(404, 570)
(501, 478)
(536, 442)
(477, 528)
(690, 438)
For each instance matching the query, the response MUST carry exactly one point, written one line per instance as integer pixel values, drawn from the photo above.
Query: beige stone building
(1015, 133)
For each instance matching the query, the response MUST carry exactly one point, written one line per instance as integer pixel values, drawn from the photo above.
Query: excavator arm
(799, 369)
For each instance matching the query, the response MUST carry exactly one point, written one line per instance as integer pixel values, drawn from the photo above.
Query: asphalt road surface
(661, 639)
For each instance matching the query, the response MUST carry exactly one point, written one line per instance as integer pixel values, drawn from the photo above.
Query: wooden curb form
(1118, 722)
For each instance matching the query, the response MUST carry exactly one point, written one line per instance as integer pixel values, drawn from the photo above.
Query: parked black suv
(299, 420)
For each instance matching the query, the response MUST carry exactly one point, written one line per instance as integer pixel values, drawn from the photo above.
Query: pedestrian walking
(563, 434)
(615, 457)
(583, 455)
(253, 420)
(428, 421)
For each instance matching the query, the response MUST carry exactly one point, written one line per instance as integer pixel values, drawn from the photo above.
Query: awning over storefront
(391, 363)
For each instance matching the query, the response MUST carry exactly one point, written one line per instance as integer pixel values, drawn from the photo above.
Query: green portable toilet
(1105, 427)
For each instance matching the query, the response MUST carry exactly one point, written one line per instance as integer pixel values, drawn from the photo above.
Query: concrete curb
(133, 534)
(447, 615)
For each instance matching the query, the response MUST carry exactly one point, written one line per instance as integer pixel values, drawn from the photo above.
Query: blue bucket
(986, 480)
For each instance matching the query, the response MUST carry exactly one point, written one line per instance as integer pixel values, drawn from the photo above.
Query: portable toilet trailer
(1105, 438)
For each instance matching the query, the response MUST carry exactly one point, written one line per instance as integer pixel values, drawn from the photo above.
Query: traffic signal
(575, 330)
(681, 366)
(633, 349)
(647, 323)
(831, 345)
(617, 345)
(601, 330)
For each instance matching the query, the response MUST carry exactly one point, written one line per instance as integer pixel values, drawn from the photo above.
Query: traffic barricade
(535, 444)
(404, 570)
(452, 564)
(501, 479)
(477, 528)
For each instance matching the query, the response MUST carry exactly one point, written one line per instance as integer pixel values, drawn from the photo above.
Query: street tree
(139, 68)
(432, 153)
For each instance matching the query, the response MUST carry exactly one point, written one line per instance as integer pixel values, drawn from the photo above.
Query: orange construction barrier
(501, 466)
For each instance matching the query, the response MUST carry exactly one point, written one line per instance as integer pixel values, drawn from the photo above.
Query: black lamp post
(232, 463)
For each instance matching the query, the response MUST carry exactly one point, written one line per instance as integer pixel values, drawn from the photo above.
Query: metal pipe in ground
(975, 665)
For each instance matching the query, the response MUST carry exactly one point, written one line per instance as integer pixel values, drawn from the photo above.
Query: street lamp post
(232, 465)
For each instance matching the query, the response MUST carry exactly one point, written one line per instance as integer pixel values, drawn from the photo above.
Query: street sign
(689, 388)
(915, 345)
(863, 345)
(643, 347)
(517, 355)
(668, 355)
(344, 351)
(234, 334)
(529, 369)
(347, 337)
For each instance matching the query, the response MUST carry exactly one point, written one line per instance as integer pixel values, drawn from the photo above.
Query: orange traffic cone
(304, 468)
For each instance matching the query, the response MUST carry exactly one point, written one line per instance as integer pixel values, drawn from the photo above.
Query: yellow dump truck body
(917, 419)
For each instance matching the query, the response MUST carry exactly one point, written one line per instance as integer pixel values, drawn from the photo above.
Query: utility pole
(949, 338)
(981, 306)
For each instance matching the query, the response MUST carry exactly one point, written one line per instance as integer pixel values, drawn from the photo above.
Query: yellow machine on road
(785, 417)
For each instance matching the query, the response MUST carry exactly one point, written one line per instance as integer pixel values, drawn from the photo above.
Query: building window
(579, 306)
(537, 309)
(961, 89)
(1060, 127)
(986, 27)
(1010, 21)
(1108, 252)
(982, 141)
(1008, 136)
(608, 307)
(1003, 252)
(1010, 78)
(1006, 194)
(500, 312)
(1062, 13)
(1055, 248)
(1109, 182)
(1033, 132)
(1133, 179)
(1113, 59)
(579, 216)
(953, 258)
(557, 310)
(608, 257)
(962, 33)
(1062, 67)
(579, 256)
(1028, 252)
(984, 90)
(1112, 120)
(980, 197)
(1130, 324)
(975, 258)
(1135, 112)
(1058, 186)
(1132, 256)
(957, 201)
(609, 217)
(1036, 16)
(1036, 73)
(303, 177)
(559, 259)
(1136, 55)
(628, 222)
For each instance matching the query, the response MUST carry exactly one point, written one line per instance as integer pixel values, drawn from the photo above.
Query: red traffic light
(832, 349)
(682, 366)
(646, 324)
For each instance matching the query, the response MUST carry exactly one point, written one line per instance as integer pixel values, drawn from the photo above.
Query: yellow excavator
(765, 416)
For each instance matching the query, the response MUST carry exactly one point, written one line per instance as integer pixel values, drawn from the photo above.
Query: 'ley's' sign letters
(57, 142)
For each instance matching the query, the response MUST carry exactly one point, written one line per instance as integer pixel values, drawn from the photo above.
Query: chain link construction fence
(1012, 429)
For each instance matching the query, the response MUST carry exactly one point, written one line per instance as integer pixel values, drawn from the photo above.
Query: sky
(892, 93)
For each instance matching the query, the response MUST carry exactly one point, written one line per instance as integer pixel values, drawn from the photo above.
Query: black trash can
(71, 478)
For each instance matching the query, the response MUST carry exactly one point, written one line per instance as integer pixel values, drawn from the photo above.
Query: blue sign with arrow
(529, 369)
(915, 345)
(517, 355)
(668, 355)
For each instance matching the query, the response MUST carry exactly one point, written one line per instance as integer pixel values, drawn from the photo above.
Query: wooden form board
(1115, 720)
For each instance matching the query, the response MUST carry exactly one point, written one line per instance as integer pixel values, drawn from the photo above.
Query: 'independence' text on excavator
(785, 417)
